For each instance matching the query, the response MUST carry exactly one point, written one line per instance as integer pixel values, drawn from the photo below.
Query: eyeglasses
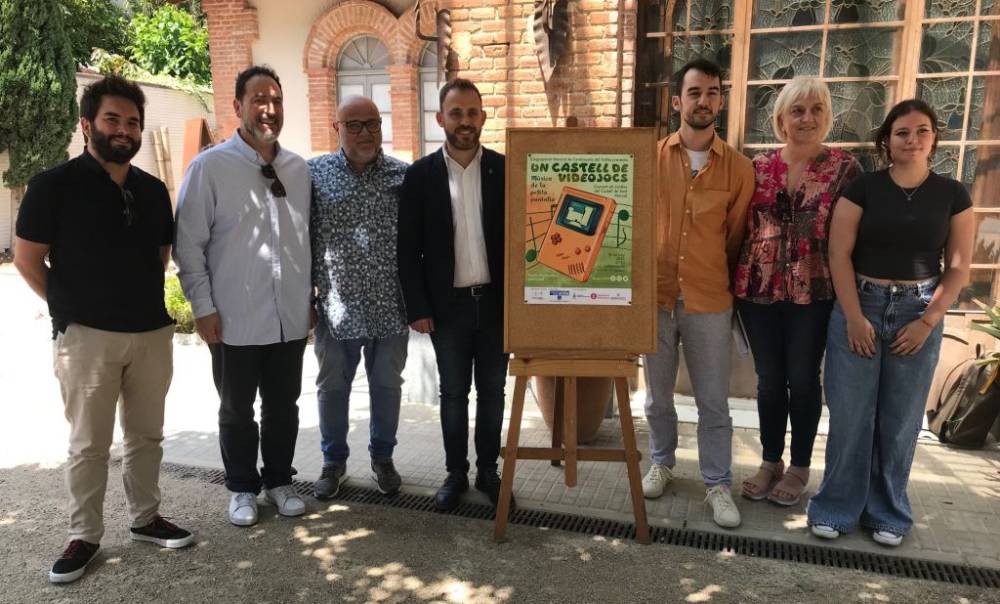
(355, 126)
(277, 189)
(783, 206)
(129, 210)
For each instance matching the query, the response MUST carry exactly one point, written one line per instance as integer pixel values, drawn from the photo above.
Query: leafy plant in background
(37, 87)
(171, 41)
(992, 328)
(95, 24)
(178, 307)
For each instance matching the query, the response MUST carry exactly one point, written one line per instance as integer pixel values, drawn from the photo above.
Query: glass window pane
(429, 94)
(945, 47)
(432, 131)
(784, 13)
(760, 105)
(950, 8)
(868, 158)
(347, 90)
(858, 109)
(947, 97)
(386, 148)
(981, 175)
(945, 161)
(717, 48)
(711, 14)
(381, 97)
(386, 127)
(989, 7)
(431, 148)
(980, 287)
(429, 58)
(987, 248)
(988, 46)
(984, 123)
(861, 52)
(782, 57)
(865, 11)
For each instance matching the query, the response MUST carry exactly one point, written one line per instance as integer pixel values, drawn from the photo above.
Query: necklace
(909, 196)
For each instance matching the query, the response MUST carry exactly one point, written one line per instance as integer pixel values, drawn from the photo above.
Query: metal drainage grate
(819, 555)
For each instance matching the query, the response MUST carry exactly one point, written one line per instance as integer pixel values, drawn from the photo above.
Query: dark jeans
(239, 371)
(787, 341)
(465, 349)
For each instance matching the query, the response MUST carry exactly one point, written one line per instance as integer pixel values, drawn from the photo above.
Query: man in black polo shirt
(106, 227)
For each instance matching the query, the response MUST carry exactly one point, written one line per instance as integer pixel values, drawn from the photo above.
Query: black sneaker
(489, 483)
(450, 493)
(330, 479)
(74, 560)
(162, 533)
(386, 478)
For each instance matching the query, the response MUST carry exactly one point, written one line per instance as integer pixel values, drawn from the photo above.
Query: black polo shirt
(106, 271)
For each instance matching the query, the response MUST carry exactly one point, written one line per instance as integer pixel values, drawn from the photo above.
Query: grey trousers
(706, 339)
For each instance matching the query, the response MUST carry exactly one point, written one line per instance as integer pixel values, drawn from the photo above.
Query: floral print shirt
(353, 230)
(785, 256)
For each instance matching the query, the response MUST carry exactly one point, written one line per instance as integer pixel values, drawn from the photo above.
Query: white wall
(280, 44)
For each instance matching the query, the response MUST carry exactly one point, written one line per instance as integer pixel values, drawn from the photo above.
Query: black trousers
(240, 371)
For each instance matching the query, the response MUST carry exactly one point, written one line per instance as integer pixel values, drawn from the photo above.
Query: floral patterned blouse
(785, 256)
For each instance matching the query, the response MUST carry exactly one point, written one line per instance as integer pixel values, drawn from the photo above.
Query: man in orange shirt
(703, 190)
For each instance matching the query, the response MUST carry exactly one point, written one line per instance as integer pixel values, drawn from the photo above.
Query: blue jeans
(464, 352)
(876, 410)
(787, 340)
(338, 363)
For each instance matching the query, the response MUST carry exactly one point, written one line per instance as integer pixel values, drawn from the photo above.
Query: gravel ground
(364, 553)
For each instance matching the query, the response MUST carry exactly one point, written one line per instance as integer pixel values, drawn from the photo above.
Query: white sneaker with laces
(887, 538)
(724, 510)
(243, 509)
(656, 480)
(824, 531)
(288, 501)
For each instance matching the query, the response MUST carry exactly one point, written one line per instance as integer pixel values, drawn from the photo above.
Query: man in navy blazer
(450, 256)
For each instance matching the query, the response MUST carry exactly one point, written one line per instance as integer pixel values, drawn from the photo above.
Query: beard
(109, 152)
(256, 131)
(700, 121)
(456, 140)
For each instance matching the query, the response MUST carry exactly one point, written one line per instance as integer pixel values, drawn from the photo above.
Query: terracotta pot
(592, 396)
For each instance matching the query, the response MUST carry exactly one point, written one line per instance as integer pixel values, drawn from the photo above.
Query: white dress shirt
(465, 185)
(241, 251)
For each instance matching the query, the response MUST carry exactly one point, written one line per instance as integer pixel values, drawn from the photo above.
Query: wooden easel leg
(510, 458)
(569, 430)
(557, 418)
(632, 457)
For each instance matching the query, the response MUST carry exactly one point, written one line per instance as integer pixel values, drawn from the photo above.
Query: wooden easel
(566, 373)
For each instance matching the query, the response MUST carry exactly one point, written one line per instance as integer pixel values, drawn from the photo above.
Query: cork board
(580, 242)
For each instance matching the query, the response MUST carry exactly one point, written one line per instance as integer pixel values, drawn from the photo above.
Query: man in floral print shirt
(358, 298)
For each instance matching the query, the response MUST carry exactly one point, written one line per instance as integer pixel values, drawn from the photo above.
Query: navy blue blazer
(426, 244)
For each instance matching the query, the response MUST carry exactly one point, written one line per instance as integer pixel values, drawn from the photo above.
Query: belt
(474, 291)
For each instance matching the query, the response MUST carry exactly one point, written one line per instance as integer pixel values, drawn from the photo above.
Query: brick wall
(232, 29)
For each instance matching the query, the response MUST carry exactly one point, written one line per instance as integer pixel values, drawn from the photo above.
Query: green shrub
(177, 305)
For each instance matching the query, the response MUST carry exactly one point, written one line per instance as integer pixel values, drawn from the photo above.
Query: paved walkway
(955, 494)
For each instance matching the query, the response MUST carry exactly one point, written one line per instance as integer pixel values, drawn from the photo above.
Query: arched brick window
(431, 134)
(362, 70)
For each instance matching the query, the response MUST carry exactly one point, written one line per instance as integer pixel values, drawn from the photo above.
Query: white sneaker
(887, 538)
(824, 532)
(655, 480)
(288, 501)
(243, 509)
(724, 510)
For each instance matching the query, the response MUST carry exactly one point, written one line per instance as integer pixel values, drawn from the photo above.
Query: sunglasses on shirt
(277, 189)
(129, 210)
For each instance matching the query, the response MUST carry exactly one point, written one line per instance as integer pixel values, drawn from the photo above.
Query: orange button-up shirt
(701, 224)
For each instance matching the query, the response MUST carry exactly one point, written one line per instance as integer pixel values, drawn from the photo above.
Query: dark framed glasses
(277, 189)
(355, 126)
(128, 210)
(783, 206)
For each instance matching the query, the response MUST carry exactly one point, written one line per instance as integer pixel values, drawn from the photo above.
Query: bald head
(359, 128)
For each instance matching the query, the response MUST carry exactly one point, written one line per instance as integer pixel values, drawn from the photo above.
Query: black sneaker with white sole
(330, 479)
(73, 562)
(163, 533)
(387, 479)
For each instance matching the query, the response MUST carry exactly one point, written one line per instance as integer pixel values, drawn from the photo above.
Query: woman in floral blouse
(782, 282)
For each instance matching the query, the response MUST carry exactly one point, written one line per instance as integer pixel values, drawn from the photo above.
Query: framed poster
(581, 241)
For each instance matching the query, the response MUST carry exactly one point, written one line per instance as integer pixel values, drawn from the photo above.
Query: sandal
(791, 485)
(756, 487)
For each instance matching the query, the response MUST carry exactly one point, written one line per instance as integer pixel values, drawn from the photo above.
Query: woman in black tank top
(891, 233)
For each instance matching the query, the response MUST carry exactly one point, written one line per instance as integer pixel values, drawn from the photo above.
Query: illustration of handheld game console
(575, 235)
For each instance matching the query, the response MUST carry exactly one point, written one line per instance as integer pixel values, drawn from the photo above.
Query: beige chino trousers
(100, 371)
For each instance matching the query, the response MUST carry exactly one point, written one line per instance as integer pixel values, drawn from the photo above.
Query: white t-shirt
(698, 160)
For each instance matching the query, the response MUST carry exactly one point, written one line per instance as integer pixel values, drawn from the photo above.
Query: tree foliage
(95, 24)
(171, 41)
(37, 87)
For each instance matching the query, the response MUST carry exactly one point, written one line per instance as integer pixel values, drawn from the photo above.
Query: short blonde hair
(802, 87)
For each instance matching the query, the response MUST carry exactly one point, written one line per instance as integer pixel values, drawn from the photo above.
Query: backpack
(968, 403)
